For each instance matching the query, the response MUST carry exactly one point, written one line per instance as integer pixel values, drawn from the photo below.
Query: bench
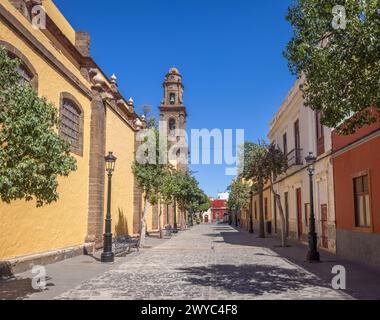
(168, 231)
(124, 244)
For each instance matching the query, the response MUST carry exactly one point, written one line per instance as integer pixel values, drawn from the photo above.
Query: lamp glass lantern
(110, 162)
(311, 159)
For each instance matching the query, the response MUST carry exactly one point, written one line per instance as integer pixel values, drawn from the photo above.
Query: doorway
(299, 212)
(325, 236)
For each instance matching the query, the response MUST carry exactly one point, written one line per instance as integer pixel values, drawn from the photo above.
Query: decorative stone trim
(9, 19)
(97, 169)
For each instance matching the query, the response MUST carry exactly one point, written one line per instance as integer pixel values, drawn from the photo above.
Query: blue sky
(228, 51)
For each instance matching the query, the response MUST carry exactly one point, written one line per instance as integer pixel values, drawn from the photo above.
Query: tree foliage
(32, 154)
(253, 169)
(239, 195)
(276, 163)
(341, 64)
(261, 163)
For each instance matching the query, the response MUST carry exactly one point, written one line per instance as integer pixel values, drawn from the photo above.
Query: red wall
(339, 142)
(360, 158)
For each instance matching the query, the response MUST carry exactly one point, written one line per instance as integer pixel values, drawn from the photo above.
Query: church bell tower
(172, 110)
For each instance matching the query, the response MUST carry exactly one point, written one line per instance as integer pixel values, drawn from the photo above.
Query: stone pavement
(200, 264)
(64, 275)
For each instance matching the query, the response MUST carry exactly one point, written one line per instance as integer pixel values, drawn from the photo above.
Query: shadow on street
(251, 279)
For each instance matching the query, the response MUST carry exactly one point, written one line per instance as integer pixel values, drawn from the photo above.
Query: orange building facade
(356, 162)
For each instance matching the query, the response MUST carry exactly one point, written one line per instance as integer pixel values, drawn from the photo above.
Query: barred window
(25, 73)
(362, 202)
(25, 69)
(71, 124)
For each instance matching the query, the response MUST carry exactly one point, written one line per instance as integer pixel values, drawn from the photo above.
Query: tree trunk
(284, 226)
(159, 222)
(144, 223)
(262, 217)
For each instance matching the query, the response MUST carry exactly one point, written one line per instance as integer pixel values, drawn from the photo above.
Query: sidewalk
(363, 282)
(207, 262)
(65, 275)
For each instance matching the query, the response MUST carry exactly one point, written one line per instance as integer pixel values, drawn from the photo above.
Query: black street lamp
(313, 254)
(250, 213)
(107, 254)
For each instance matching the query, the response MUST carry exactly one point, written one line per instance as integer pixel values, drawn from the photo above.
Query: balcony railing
(295, 158)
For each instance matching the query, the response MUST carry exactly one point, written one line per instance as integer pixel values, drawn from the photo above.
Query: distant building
(218, 210)
(223, 195)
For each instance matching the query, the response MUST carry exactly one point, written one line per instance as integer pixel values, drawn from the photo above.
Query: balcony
(295, 158)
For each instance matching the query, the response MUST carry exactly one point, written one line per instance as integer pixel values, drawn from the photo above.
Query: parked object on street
(124, 245)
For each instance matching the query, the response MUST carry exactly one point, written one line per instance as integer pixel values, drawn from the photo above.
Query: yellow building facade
(267, 209)
(61, 69)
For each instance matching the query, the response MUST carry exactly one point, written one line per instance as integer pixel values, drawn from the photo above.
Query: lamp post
(313, 254)
(250, 213)
(107, 254)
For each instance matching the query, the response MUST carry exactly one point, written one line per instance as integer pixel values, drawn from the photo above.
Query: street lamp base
(313, 256)
(107, 257)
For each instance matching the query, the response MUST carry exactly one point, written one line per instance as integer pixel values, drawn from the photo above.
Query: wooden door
(299, 212)
(325, 236)
(287, 213)
(297, 142)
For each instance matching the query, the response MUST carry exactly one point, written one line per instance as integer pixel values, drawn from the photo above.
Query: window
(362, 202)
(26, 70)
(285, 144)
(71, 128)
(25, 73)
(172, 126)
(320, 134)
(297, 143)
(172, 98)
(255, 210)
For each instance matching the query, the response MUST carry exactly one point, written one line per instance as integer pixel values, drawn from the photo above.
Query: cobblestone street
(208, 262)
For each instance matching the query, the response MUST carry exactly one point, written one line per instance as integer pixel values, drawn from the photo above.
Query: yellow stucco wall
(120, 140)
(266, 194)
(25, 229)
(59, 20)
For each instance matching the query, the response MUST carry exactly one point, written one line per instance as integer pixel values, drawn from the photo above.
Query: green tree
(240, 195)
(340, 60)
(151, 175)
(185, 191)
(205, 204)
(276, 164)
(253, 168)
(32, 154)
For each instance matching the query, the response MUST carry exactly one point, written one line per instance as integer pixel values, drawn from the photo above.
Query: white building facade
(297, 131)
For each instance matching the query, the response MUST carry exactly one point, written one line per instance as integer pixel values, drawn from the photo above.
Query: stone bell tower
(172, 110)
(173, 115)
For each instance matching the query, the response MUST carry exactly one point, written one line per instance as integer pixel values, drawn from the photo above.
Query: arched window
(172, 98)
(172, 125)
(25, 69)
(71, 129)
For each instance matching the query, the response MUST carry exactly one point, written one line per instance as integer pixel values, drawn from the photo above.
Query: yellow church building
(96, 117)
